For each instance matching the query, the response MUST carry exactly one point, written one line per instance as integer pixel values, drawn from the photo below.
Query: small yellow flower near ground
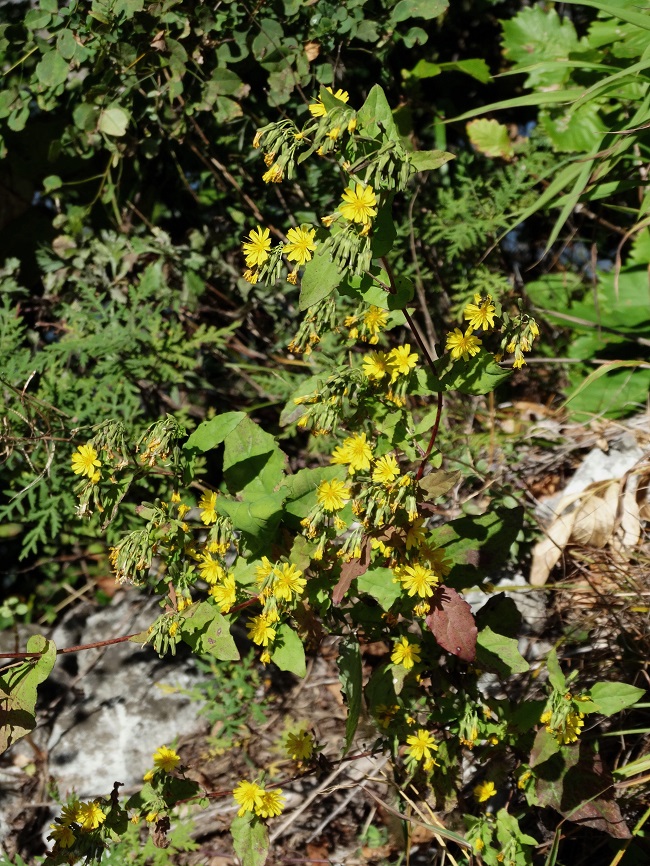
(91, 815)
(272, 804)
(166, 759)
(332, 495)
(376, 365)
(288, 581)
(62, 835)
(150, 817)
(355, 452)
(405, 653)
(84, 461)
(386, 470)
(300, 746)
(256, 247)
(483, 791)
(317, 109)
(462, 345)
(248, 795)
(418, 580)
(225, 594)
(300, 244)
(420, 745)
(480, 314)
(207, 505)
(260, 630)
(359, 204)
(402, 360)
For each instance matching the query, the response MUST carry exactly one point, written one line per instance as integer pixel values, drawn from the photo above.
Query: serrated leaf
(349, 663)
(250, 840)
(452, 624)
(611, 698)
(289, 652)
(113, 122)
(499, 653)
(490, 138)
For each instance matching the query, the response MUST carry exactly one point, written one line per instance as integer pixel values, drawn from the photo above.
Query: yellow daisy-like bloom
(386, 470)
(62, 835)
(375, 320)
(260, 630)
(462, 345)
(405, 653)
(484, 791)
(272, 804)
(211, 570)
(436, 559)
(166, 759)
(355, 452)
(91, 815)
(300, 746)
(248, 795)
(288, 581)
(317, 109)
(263, 570)
(571, 731)
(332, 495)
(420, 745)
(256, 247)
(84, 461)
(416, 534)
(376, 365)
(418, 580)
(225, 594)
(359, 204)
(273, 175)
(251, 276)
(70, 813)
(207, 505)
(300, 244)
(480, 314)
(402, 360)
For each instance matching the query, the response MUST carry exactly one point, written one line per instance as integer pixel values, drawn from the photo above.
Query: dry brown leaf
(595, 517)
(630, 520)
(312, 50)
(548, 551)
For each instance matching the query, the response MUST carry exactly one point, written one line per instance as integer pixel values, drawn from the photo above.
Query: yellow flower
(70, 813)
(355, 452)
(251, 276)
(405, 653)
(332, 495)
(207, 505)
(402, 360)
(84, 461)
(462, 345)
(375, 320)
(300, 746)
(248, 795)
(166, 759)
(225, 594)
(273, 175)
(359, 203)
(293, 277)
(386, 470)
(272, 804)
(386, 714)
(260, 630)
(484, 791)
(420, 745)
(148, 776)
(62, 835)
(418, 580)
(263, 570)
(571, 731)
(90, 816)
(288, 581)
(300, 244)
(256, 247)
(317, 109)
(480, 314)
(416, 534)
(376, 365)
(211, 570)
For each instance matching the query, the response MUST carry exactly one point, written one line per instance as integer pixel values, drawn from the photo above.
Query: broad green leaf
(477, 375)
(37, 19)
(51, 183)
(406, 9)
(319, 278)
(250, 840)
(555, 675)
(429, 160)
(535, 35)
(574, 131)
(423, 69)
(289, 652)
(490, 138)
(384, 232)
(380, 584)
(375, 115)
(439, 482)
(475, 66)
(258, 518)
(544, 747)
(206, 631)
(349, 663)
(611, 698)
(211, 433)
(300, 489)
(252, 460)
(52, 69)
(499, 653)
(113, 121)
(66, 44)
(18, 686)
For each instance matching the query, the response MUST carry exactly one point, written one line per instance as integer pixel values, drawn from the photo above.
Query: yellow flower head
(355, 452)
(300, 244)
(386, 470)
(420, 745)
(376, 365)
(211, 569)
(271, 804)
(484, 791)
(166, 759)
(405, 653)
(317, 109)
(480, 314)
(273, 175)
(375, 320)
(84, 461)
(462, 345)
(225, 594)
(256, 247)
(359, 204)
(260, 630)
(418, 580)
(62, 835)
(288, 581)
(332, 495)
(248, 795)
(402, 360)
(300, 746)
(207, 504)
(90, 816)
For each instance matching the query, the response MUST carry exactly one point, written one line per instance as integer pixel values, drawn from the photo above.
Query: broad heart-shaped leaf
(289, 652)
(257, 518)
(206, 631)
(451, 622)
(319, 278)
(380, 584)
(406, 9)
(211, 433)
(375, 115)
(18, 685)
(611, 698)
(349, 663)
(499, 653)
(490, 138)
(250, 840)
(252, 460)
(52, 69)
(429, 160)
(113, 121)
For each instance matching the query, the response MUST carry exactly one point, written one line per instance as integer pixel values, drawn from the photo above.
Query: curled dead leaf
(312, 50)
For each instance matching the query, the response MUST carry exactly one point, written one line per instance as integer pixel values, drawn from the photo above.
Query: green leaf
(380, 584)
(211, 433)
(375, 115)
(51, 182)
(252, 460)
(18, 686)
(384, 232)
(349, 663)
(52, 69)
(406, 9)
(545, 746)
(37, 19)
(475, 66)
(66, 44)
(207, 631)
(373, 292)
(300, 489)
(250, 840)
(439, 482)
(113, 121)
(429, 160)
(534, 36)
(499, 653)
(319, 278)
(477, 375)
(289, 652)
(555, 675)
(258, 518)
(611, 698)
(490, 138)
